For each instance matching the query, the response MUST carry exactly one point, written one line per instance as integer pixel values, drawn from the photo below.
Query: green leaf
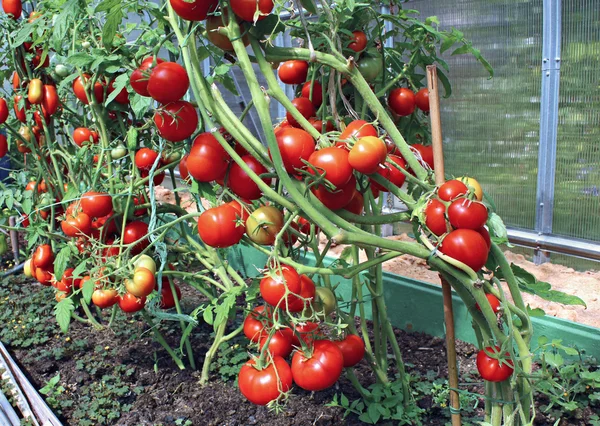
(309, 5)
(21, 36)
(49, 387)
(497, 229)
(61, 261)
(445, 83)
(79, 269)
(121, 82)
(82, 60)
(139, 104)
(88, 291)
(529, 284)
(374, 413)
(208, 316)
(535, 312)
(542, 340)
(107, 5)
(63, 311)
(555, 360)
(221, 69)
(462, 50)
(113, 19)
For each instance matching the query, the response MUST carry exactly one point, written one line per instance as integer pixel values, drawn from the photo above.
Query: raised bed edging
(415, 305)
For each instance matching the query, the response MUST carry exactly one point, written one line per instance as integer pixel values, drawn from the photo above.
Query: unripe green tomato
(325, 302)
(370, 67)
(171, 157)
(61, 70)
(86, 44)
(145, 261)
(27, 268)
(119, 152)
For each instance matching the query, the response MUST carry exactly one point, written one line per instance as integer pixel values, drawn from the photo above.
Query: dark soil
(129, 369)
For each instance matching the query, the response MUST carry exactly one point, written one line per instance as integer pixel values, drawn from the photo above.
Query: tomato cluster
(317, 362)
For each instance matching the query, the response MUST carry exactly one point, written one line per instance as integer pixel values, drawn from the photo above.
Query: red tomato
(452, 189)
(213, 23)
(283, 125)
(3, 145)
(255, 323)
(334, 163)
(145, 158)
(293, 72)
(3, 111)
(66, 283)
(183, 170)
(359, 41)
(139, 77)
(304, 226)
(467, 246)
(422, 99)
(402, 101)
(426, 153)
(494, 368)
(96, 204)
(80, 92)
(20, 113)
(493, 301)
(122, 97)
(320, 369)
(435, 218)
(318, 125)
(263, 386)
(242, 212)
(143, 282)
(353, 349)
(339, 198)
(358, 129)
(273, 286)
(13, 7)
(130, 303)
(105, 298)
(367, 154)
(280, 343)
(356, 204)
(83, 135)
(391, 172)
(136, 231)
(167, 299)
(176, 121)
(317, 92)
(208, 160)
(307, 333)
(466, 214)
(219, 227)
(295, 145)
(306, 295)
(51, 101)
(43, 256)
(168, 82)
(486, 236)
(304, 107)
(194, 10)
(44, 276)
(206, 139)
(76, 225)
(249, 10)
(241, 184)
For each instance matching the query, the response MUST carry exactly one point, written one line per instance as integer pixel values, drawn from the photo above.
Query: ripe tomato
(241, 184)
(353, 349)
(136, 231)
(295, 146)
(76, 225)
(320, 369)
(83, 135)
(80, 92)
(263, 386)
(167, 299)
(255, 323)
(466, 214)
(3, 111)
(356, 204)
(142, 284)
(473, 186)
(139, 77)
(183, 170)
(358, 41)
(43, 256)
(145, 158)
(494, 368)
(96, 204)
(3, 145)
(35, 91)
(467, 246)
(452, 189)
(402, 101)
(208, 160)
(130, 303)
(426, 153)
(493, 301)
(168, 82)
(306, 295)
(293, 72)
(304, 226)
(317, 92)
(367, 154)
(263, 225)
(280, 343)
(273, 286)
(204, 140)
(249, 10)
(486, 236)
(66, 283)
(339, 198)
(194, 10)
(391, 172)
(435, 218)
(176, 121)
(44, 275)
(50, 101)
(20, 113)
(320, 126)
(422, 99)
(334, 163)
(158, 177)
(358, 129)
(105, 298)
(213, 23)
(307, 333)
(122, 97)
(13, 7)
(219, 227)
(304, 107)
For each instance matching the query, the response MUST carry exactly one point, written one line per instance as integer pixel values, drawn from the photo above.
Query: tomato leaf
(121, 82)
(60, 263)
(88, 290)
(79, 269)
(139, 104)
(82, 60)
(309, 5)
(63, 311)
(535, 312)
(113, 19)
(208, 316)
(445, 82)
(497, 229)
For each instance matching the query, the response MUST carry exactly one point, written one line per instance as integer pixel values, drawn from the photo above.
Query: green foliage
(230, 358)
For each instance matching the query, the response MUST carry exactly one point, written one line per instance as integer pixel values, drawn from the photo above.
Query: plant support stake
(438, 161)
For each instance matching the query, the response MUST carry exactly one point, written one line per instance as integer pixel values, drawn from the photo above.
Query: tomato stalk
(161, 340)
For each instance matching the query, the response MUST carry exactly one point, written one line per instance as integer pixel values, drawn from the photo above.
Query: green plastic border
(415, 305)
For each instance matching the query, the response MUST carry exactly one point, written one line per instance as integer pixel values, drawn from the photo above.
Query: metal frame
(551, 40)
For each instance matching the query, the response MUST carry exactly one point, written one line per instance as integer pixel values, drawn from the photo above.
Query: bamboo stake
(438, 160)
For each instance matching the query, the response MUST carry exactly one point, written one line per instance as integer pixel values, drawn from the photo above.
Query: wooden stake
(438, 160)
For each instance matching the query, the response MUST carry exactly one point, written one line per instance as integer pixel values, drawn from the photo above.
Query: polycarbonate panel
(577, 186)
(491, 127)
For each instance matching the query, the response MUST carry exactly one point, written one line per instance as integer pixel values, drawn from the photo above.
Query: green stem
(161, 340)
